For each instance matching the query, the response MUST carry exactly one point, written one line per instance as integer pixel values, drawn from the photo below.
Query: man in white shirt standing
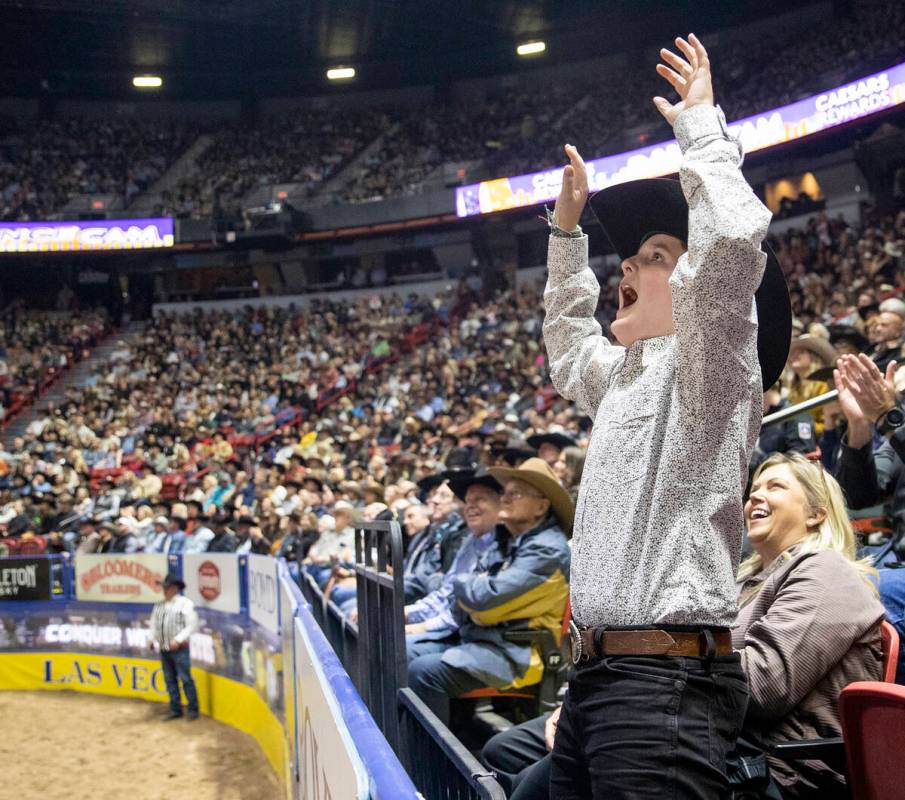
(173, 621)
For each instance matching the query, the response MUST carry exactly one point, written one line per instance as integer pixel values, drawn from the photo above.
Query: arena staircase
(144, 203)
(76, 377)
(326, 192)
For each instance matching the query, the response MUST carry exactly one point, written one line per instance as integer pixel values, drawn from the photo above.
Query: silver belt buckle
(578, 654)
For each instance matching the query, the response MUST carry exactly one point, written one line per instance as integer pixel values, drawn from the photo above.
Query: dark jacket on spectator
(225, 542)
(522, 582)
(812, 629)
(870, 477)
(792, 436)
(121, 544)
(430, 554)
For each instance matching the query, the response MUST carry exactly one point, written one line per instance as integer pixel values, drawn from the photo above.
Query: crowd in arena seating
(305, 147)
(44, 164)
(35, 349)
(520, 126)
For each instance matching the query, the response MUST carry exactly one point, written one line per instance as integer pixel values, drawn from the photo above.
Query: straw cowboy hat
(537, 473)
(817, 347)
(630, 211)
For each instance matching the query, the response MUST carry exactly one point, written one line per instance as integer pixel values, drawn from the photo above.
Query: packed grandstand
(322, 342)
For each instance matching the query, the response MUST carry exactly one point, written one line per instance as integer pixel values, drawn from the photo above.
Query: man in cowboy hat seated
(431, 622)
(524, 580)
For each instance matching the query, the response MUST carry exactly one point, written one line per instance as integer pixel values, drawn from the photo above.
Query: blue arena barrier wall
(259, 659)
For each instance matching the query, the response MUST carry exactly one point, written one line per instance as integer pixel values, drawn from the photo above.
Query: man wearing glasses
(521, 581)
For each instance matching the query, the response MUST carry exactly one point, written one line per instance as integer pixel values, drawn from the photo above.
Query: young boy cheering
(659, 696)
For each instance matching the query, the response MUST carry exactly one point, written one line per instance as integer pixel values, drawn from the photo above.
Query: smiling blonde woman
(809, 617)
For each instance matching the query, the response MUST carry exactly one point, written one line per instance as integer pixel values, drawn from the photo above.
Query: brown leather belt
(588, 643)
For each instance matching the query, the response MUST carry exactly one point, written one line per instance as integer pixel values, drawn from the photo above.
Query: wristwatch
(890, 421)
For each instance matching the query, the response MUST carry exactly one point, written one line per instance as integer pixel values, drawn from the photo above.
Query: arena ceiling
(248, 48)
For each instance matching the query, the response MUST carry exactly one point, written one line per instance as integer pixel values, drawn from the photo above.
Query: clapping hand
(689, 76)
(859, 379)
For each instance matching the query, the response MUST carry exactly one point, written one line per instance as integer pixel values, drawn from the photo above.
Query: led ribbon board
(86, 235)
(795, 121)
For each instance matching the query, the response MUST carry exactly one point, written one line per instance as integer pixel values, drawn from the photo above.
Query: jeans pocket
(726, 713)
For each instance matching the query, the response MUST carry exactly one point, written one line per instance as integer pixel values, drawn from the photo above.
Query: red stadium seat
(873, 725)
(890, 638)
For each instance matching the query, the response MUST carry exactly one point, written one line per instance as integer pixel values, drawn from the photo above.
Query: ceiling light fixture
(340, 73)
(531, 48)
(147, 81)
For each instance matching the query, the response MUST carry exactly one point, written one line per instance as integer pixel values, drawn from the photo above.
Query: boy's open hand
(574, 193)
(689, 76)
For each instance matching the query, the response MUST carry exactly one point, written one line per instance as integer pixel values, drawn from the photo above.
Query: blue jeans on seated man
(421, 644)
(437, 683)
(177, 664)
(648, 727)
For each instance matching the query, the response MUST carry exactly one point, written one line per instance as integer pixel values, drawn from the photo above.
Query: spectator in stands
(332, 547)
(173, 540)
(431, 621)
(223, 541)
(523, 581)
(871, 475)
(807, 355)
(431, 555)
(550, 445)
(885, 335)
(809, 616)
(121, 538)
(792, 436)
(569, 467)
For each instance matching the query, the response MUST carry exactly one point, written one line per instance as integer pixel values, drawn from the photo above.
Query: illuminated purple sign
(795, 121)
(80, 235)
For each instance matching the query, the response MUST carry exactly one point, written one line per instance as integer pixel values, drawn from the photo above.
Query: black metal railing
(373, 653)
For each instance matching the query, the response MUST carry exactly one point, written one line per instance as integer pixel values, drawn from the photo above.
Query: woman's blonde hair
(822, 491)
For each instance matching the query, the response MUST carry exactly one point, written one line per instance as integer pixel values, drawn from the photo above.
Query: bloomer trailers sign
(86, 235)
(120, 578)
(25, 579)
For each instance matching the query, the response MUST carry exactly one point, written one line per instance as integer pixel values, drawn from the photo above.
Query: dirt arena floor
(83, 747)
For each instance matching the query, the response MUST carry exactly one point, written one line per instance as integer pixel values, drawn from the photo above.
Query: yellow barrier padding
(223, 699)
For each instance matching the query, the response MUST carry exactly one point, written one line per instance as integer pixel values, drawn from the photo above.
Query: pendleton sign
(25, 579)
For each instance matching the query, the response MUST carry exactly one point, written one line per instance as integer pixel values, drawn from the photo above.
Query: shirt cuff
(700, 122)
(567, 255)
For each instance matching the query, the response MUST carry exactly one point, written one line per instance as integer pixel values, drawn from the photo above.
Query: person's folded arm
(530, 585)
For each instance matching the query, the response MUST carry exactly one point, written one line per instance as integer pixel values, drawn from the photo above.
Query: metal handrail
(799, 408)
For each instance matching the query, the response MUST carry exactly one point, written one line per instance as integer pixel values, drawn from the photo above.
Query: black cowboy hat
(173, 580)
(850, 334)
(482, 477)
(630, 211)
(460, 463)
(559, 440)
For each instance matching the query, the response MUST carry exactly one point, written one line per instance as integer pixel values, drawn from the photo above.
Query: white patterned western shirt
(659, 522)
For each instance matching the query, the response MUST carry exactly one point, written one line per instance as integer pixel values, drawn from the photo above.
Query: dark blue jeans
(648, 727)
(178, 664)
